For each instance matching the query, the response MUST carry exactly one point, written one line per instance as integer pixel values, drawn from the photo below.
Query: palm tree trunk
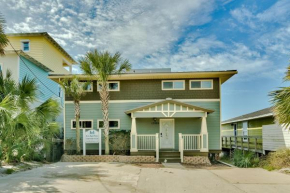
(77, 115)
(104, 94)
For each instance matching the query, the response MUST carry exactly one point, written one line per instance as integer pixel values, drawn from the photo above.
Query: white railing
(188, 142)
(149, 142)
(146, 142)
(191, 141)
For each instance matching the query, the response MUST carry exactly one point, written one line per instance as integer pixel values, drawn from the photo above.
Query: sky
(251, 36)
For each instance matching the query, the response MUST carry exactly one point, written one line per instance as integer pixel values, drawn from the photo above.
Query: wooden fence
(249, 143)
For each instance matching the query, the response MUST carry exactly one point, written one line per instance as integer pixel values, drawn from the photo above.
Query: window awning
(169, 108)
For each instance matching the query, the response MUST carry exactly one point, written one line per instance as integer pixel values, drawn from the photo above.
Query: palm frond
(281, 102)
(3, 38)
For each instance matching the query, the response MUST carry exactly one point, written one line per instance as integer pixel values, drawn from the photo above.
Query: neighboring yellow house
(43, 48)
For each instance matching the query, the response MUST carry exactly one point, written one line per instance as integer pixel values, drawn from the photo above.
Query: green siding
(254, 127)
(152, 89)
(144, 125)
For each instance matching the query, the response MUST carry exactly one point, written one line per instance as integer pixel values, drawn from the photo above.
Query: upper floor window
(89, 87)
(84, 124)
(173, 85)
(113, 124)
(112, 86)
(25, 45)
(200, 84)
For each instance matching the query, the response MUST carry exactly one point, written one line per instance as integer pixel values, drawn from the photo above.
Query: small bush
(120, 142)
(276, 160)
(244, 159)
(70, 146)
(9, 171)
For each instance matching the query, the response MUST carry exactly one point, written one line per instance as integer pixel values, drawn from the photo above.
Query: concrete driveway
(116, 177)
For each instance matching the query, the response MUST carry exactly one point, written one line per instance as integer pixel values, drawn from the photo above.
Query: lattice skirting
(196, 160)
(108, 158)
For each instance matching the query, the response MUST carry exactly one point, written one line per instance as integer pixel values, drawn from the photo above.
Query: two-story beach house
(169, 114)
(36, 55)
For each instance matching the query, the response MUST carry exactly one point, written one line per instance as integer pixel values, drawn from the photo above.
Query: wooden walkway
(248, 143)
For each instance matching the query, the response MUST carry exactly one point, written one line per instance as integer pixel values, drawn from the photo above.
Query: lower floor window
(113, 124)
(84, 124)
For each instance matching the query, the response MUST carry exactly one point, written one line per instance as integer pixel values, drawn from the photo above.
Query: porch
(169, 130)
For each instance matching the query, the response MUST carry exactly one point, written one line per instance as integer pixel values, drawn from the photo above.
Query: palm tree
(23, 129)
(3, 38)
(76, 89)
(281, 102)
(101, 65)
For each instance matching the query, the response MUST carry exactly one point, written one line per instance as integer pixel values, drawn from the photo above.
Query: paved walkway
(116, 177)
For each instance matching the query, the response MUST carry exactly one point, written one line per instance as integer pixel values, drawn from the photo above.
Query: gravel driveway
(116, 177)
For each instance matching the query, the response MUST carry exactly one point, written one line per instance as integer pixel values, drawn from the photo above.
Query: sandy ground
(116, 177)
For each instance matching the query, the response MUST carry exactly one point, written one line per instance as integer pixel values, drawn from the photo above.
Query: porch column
(204, 134)
(133, 136)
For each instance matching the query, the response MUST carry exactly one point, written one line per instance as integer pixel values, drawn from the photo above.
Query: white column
(157, 147)
(84, 141)
(133, 136)
(181, 146)
(204, 134)
(100, 141)
(70, 69)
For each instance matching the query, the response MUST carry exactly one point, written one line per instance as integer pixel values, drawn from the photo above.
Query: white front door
(166, 133)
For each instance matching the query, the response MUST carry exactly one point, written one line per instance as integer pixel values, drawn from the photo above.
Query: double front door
(167, 133)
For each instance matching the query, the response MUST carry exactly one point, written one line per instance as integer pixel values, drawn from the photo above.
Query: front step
(170, 156)
(170, 160)
(169, 153)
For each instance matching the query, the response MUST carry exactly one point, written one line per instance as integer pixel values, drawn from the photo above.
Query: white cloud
(278, 12)
(135, 28)
(147, 32)
(210, 54)
(244, 16)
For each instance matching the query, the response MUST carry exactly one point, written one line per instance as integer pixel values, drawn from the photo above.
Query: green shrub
(120, 142)
(244, 159)
(9, 171)
(276, 160)
(70, 146)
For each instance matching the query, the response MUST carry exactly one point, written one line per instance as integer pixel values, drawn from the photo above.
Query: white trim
(119, 122)
(160, 120)
(64, 128)
(250, 118)
(22, 47)
(108, 82)
(211, 80)
(153, 100)
(173, 84)
(71, 122)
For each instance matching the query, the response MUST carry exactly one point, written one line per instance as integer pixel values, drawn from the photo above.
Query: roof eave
(223, 75)
(166, 100)
(249, 118)
(48, 37)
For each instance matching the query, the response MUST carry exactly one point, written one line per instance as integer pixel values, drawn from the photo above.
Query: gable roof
(31, 59)
(171, 101)
(267, 112)
(48, 37)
